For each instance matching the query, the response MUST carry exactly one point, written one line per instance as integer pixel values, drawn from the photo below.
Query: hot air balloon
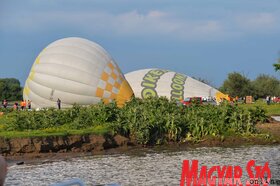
(75, 70)
(158, 82)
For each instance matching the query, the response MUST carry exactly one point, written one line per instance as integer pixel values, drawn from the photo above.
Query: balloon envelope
(75, 70)
(173, 85)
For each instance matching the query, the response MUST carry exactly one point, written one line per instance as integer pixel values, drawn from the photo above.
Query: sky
(201, 38)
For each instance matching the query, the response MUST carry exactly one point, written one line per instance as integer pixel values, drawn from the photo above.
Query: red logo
(224, 175)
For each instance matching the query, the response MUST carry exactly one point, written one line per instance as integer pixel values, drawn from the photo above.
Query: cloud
(259, 21)
(132, 23)
(159, 23)
(152, 23)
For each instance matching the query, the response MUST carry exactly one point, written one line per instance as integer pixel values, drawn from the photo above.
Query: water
(146, 168)
(277, 118)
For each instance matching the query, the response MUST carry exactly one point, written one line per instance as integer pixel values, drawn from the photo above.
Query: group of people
(272, 99)
(23, 105)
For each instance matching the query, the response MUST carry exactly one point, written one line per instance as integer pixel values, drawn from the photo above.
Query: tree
(277, 65)
(10, 89)
(237, 85)
(265, 85)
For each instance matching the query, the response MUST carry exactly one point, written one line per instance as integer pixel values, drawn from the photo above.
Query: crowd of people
(272, 99)
(23, 105)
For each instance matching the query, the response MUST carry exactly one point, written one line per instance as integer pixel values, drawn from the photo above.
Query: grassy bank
(150, 121)
(56, 131)
(272, 109)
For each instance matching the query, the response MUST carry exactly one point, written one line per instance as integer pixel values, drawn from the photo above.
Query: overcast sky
(201, 38)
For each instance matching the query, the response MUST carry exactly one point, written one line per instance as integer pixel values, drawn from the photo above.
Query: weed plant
(147, 121)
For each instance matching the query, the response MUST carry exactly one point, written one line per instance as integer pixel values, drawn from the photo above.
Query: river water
(151, 167)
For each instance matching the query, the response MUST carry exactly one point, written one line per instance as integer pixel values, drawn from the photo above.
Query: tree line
(10, 89)
(239, 85)
(264, 85)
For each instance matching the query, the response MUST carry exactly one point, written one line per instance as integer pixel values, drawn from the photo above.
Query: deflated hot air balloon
(75, 70)
(157, 82)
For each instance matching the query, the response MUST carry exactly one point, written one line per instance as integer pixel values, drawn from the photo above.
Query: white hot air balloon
(75, 70)
(157, 82)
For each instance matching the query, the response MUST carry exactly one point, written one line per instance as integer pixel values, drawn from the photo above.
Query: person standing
(267, 100)
(5, 103)
(15, 106)
(22, 104)
(29, 104)
(59, 103)
(3, 170)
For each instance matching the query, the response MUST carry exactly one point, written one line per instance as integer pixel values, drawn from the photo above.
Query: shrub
(148, 121)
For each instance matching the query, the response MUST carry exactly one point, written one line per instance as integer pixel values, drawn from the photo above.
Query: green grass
(272, 109)
(97, 130)
(62, 130)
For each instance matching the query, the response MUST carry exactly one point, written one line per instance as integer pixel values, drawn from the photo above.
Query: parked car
(192, 100)
(276, 100)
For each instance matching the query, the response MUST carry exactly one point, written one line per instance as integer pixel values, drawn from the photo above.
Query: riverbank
(63, 147)
(153, 123)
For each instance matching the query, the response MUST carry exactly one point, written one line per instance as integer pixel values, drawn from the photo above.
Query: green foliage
(277, 65)
(10, 89)
(148, 121)
(56, 131)
(265, 85)
(270, 110)
(237, 85)
(94, 115)
(158, 120)
(258, 114)
(6, 110)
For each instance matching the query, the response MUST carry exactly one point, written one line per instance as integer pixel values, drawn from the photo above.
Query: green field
(271, 110)
(149, 121)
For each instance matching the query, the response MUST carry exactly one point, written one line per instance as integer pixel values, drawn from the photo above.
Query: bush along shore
(153, 121)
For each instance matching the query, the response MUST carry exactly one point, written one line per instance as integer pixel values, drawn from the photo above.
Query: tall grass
(148, 121)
